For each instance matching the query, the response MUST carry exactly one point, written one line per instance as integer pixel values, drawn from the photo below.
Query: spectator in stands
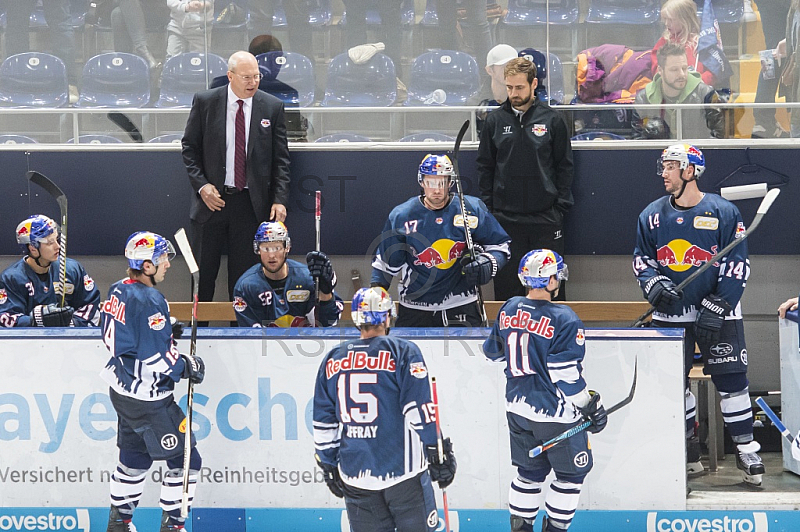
(790, 78)
(681, 26)
(773, 23)
(189, 28)
(62, 35)
(468, 19)
(389, 32)
(297, 26)
(131, 19)
(675, 83)
(496, 61)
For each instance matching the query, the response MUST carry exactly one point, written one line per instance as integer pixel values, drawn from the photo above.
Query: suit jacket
(267, 151)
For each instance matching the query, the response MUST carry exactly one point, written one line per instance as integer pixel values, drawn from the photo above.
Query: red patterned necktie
(239, 150)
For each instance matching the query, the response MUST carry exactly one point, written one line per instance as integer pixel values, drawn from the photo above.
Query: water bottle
(438, 96)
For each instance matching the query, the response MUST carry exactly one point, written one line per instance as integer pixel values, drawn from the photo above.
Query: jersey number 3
(365, 405)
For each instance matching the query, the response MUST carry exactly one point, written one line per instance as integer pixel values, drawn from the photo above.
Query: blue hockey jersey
(21, 289)
(542, 346)
(675, 242)
(373, 412)
(144, 363)
(257, 304)
(424, 248)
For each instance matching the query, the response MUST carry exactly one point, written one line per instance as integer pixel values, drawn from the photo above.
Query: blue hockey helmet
(537, 266)
(35, 229)
(271, 232)
(371, 306)
(144, 245)
(435, 165)
(685, 154)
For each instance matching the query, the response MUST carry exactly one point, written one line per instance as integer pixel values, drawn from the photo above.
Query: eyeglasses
(248, 79)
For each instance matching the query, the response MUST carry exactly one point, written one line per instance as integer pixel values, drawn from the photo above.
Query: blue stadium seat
(320, 12)
(431, 15)
(77, 9)
(288, 76)
(344, 137)
(33, 79)
(553, 82)
(17, 139)
(372, 84)
(641, 12)
(456, 73)
(185, 74)
(374, 17)
(115, 79)
(95, 139)
(530, 12)
(428, 137)
(598, 135)
(170, 138)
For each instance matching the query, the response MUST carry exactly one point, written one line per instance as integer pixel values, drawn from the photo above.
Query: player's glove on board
(177, 328)
(661, 292)
(194, 368)
(796, 446)
(320, 267)
(479, 270)
(710, 318)
(332, 478)
(595, 412)
(51, 316)
(441, 472)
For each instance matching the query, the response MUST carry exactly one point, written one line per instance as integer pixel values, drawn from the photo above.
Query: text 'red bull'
(115, 308)
(522, 320)
(356, 360)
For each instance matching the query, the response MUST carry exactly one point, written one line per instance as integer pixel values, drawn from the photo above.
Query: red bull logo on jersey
(157, 321)
(239, 304)
(358, 360)
(114, 308)
(418, 370)
(739, 230)
(88, 283)
(680, 255)
(523, 320)
(442, 254)
(3, 296)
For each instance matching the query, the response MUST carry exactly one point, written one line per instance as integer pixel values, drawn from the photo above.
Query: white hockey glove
(796, 447)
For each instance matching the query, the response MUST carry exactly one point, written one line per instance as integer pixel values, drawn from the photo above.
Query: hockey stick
(536, 451)
(467, 233)
(766, 203)
(317, 219)
(775, 419)
(435, 397)
(186, 249)
(61, 198)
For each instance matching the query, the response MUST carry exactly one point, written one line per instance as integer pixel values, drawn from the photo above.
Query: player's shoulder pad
(404, 208)
(298, 271)
(250, 276)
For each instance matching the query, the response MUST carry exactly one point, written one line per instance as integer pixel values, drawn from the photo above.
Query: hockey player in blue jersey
(542, 346)
(30, 291)
(280, 292)
(374, 425)
(677, 234)
(423, 242)
(144, 366)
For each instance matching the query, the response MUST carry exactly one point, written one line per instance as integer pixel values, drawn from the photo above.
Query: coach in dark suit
(237, 156)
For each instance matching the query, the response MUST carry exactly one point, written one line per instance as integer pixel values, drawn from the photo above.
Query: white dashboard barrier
(253, 419)
(790, 384)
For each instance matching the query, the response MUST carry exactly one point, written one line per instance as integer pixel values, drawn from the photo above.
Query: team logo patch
(580, 338)
(169, 441)
(88, 283)
(706, 222)
(3, 296)
(679, 220)
(539, 129)
(418, 370)
(265, 122)
(721, 350)
(157, 321)
(182, 427)
(744, 356)
(294, 296)
(239, 304)
(581, 459)
(442, 254)
(739, 230)
(439, 221)
(433, 519)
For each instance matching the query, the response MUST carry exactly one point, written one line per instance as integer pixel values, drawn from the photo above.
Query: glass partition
(125, 71)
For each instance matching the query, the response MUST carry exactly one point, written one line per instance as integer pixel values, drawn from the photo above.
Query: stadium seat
(372, 84)
(33, 79)
(428, 137)
(288, 76)
(456, 73)
(77, 9)
(530, 12)
(374, 17)
(344, 137)
(95, 139)
(320, 12)
(431, 15)
(170, 138)
(642, 12)
(598, 135)
(17, 139)
(553, 83)
(115, 79)
(185, 74)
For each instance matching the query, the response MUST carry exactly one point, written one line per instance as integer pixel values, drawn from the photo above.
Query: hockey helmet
(434, 165)
(685, 154)
(35, 229)
(537, 266)
(371, 306)
(144, 245)
(271, 232)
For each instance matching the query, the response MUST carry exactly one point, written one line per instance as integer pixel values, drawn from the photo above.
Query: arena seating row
(175, 138)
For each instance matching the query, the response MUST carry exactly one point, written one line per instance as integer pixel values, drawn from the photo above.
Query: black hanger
(756, 173)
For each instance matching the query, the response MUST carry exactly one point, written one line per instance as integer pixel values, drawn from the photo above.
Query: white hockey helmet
(271, 232)
(685, 154)
(144, 245)
(537, 266)
(371, 306)
(435, 165)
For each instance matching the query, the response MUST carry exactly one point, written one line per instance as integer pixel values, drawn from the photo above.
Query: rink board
(253, 422)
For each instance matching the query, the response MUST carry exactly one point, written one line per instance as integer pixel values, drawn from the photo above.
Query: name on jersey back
(523, 320)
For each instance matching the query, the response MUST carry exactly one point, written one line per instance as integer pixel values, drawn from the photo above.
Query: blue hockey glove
(177, 328)
(441, 472)
(332, 478)
(595, 412)
(661, 293)
(480, 269)
(710, 318)
(320, 267)
(193, 368)
(51, 316)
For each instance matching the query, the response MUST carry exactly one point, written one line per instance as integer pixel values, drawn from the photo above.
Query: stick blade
(46, 183)
(186, 250)
(628, 399)
(766, 203)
